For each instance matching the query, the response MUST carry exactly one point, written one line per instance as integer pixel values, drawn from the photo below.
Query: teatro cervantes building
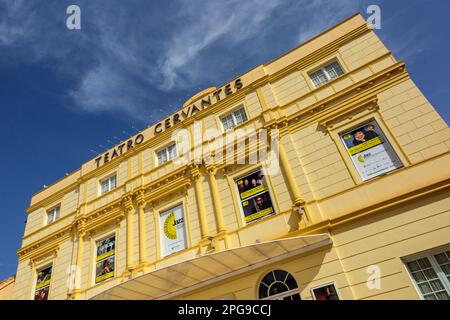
(355, 206)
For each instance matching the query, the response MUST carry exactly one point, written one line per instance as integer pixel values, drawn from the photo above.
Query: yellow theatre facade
(358, 210)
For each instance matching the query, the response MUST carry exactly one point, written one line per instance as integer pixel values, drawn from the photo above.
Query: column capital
(80, 226)
(211, 169)
(195, 171)
(140, 198)
(127, 202)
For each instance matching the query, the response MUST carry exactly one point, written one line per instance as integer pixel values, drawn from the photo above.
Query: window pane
(334, 70)
(291, 283)
(240, 116)
(437, 285)
(442, 295)
(280, 275)
(172, 151)
(263, 291)
(441, 258)
(277, 287)
(113, 182)
(318, 78)
(430, 274)
(227, 122)
(419, 276)
(446, 269)
(424, 263)
(162, 156)
(268, 279)
(105, 185)
(49, 217)
(413, 266)
(430, 297)
(425, 288)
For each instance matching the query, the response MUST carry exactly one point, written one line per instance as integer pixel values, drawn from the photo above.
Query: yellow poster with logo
(43, 279)
(173, 235)
(105, 260)
(369, 150)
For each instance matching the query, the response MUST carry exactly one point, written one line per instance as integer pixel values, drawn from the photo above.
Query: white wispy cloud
(129, 57)
(113, 63)
(227, 21)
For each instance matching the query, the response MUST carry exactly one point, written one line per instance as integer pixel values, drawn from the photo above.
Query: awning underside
(191, 274)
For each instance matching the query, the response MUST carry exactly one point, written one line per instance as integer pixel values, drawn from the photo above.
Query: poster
(173, 230)
(254, 196)
(327, 292)
(104, 267)
(370, 151)
(44, 277)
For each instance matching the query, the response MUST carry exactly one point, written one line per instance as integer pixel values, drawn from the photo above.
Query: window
(254, 196)
(53, 214)
(43, 279)
(326, 73)
(431, 275)
(173, 230)
(325, 292)
(278, 285)
(108, 184)
(166, 154)
(104, 267)
(233, 119)
(370, 151)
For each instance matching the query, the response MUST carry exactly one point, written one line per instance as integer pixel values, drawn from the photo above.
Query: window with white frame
(166, 154)
(233, 119)
(108, 184)
(326, 73)
(278, 285)
(431, 274)
(53, 214)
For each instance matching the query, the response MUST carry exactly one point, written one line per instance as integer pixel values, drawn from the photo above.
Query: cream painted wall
(320, 172)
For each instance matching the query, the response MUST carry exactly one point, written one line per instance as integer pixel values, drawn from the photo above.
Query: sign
(104, 268)
(119, 150)
(195, 107)
(44, 277)
(254, 196)
(370, 151)
(179, 116)
(173, 230)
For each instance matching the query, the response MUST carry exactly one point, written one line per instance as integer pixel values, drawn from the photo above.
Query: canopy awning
(195, 273)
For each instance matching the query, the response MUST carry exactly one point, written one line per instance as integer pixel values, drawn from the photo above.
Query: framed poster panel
(173, 230)
(254, 196)
(370, 151)
(105, 259)
(43, 279)
(325, 292)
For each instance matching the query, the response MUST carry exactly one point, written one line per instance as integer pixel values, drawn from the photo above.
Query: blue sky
(64, 93)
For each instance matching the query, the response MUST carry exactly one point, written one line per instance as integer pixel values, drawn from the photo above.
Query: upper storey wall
(284, 87)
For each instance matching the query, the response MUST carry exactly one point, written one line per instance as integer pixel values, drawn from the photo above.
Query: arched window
(278, 285)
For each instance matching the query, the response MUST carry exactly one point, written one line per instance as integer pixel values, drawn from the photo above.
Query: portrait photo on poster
(370, 151)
